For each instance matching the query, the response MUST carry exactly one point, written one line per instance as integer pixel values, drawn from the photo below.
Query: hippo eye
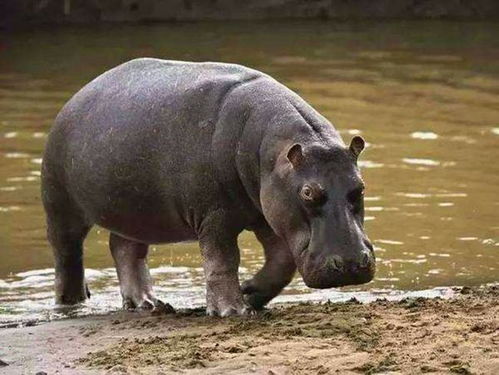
(356, 195)
(312, 193)
(307, 193)
(356, 198)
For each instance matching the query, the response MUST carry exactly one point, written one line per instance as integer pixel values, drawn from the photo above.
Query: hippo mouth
(332, 272)
(304, 249)
(335, 279)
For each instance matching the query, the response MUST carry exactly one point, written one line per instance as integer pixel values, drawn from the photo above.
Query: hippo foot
(152, 304)
(224, 309)
(72, 297)
(255, 296)
(66, 299)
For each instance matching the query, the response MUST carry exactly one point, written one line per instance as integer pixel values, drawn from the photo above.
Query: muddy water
(424, 95)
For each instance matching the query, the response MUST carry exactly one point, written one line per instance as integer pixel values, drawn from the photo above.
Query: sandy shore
(412, 336)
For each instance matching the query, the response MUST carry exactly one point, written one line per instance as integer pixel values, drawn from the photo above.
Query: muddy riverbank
(459, 335)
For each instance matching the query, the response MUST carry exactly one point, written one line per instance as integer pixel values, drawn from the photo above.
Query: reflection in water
(416, 161)
(424, 95)
(424, 135)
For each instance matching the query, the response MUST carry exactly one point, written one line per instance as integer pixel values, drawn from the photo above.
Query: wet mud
(415, 335)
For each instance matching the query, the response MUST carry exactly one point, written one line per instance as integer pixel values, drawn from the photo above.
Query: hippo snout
(335, 271)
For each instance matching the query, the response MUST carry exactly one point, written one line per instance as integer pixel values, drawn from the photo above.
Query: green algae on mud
(426, 335)
(182, 351)
(304, 320)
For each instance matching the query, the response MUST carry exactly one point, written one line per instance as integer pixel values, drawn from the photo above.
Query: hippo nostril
(335, 263)
(364, 260)
(369, 245)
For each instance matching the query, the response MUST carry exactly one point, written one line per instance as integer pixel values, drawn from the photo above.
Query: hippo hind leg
(130, 258)
(276, 273)
(66, 231)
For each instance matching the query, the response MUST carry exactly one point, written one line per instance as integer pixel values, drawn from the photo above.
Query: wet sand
(412, 336)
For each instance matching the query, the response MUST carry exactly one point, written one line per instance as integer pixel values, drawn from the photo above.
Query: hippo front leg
(221, 263)
(276, 273)
(130, 259)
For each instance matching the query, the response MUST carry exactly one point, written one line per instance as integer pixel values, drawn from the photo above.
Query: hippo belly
(134, 147)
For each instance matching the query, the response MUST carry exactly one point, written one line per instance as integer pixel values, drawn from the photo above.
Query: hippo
(160, 151)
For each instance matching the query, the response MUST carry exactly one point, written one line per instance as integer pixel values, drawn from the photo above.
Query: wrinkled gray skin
(162, 151)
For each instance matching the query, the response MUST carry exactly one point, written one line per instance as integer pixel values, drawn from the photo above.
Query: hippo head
(314, 199)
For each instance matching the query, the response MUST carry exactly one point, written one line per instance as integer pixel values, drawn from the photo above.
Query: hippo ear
(295, 155)
(357, 145)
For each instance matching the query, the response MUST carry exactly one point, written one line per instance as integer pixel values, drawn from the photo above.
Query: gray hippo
(162, 151)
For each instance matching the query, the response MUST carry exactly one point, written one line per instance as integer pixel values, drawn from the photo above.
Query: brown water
(425, 95)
